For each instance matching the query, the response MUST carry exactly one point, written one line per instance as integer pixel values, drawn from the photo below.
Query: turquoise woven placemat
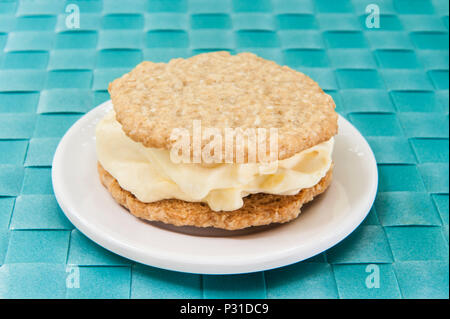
(391, 82)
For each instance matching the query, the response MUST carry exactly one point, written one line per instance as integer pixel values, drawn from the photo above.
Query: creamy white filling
(150, 175)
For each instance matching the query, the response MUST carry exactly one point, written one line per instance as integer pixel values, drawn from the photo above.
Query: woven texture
(391, 83)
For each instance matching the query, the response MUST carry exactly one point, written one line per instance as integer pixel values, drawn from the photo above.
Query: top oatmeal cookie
(223, 91)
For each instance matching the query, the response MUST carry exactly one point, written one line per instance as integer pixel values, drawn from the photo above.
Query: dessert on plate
(216, 140)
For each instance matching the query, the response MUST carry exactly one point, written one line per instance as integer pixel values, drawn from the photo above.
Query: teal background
(391, 83)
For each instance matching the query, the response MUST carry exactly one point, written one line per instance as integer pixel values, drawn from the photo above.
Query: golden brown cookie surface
(259, 209)
(223, 91)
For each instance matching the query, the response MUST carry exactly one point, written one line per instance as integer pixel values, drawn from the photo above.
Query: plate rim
(167, 261)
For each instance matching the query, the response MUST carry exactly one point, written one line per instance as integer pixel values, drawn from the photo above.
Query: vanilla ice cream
(150, 175)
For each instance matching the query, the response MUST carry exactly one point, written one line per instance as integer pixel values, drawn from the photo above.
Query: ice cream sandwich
(216, 140)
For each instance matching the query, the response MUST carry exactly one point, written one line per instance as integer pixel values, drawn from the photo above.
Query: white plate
(322, 223)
